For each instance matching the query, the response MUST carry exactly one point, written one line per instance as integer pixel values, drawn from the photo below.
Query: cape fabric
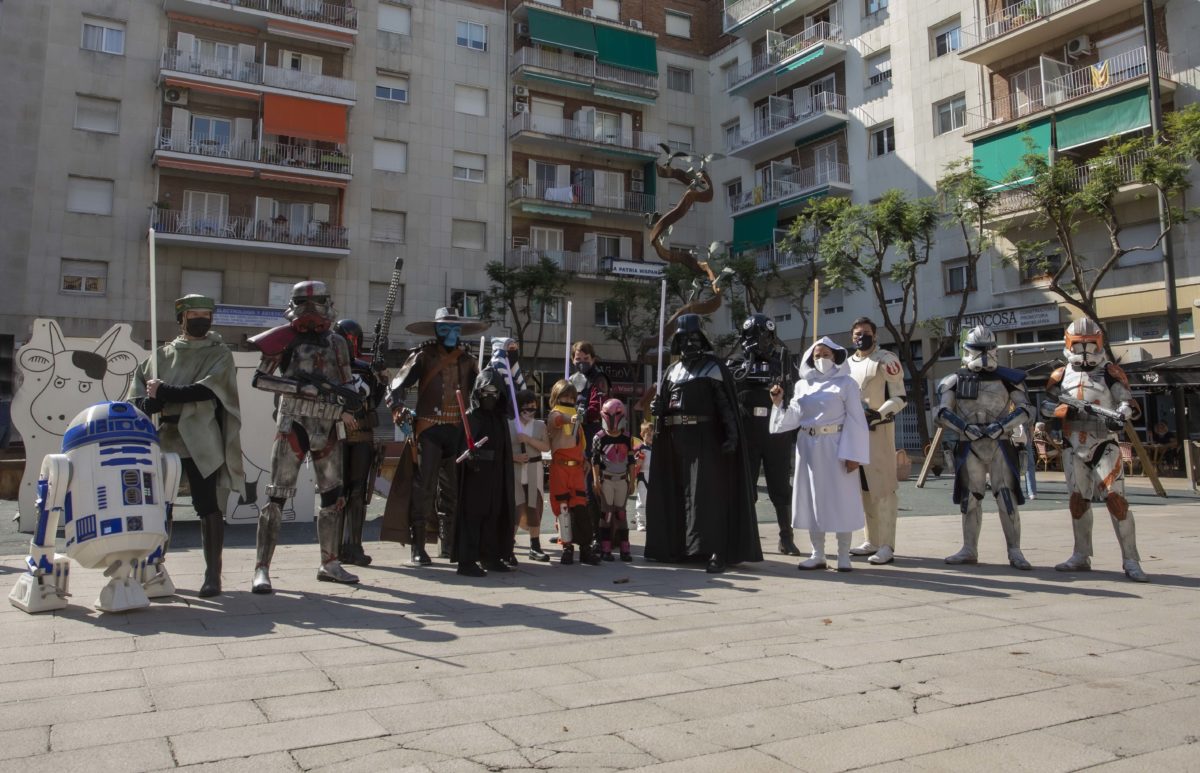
(210, 437)
(673, 534)
(486, 497)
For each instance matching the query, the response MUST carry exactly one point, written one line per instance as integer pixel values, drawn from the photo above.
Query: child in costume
(568, 493)
(612, 452)
(529, 441)
(642, 451)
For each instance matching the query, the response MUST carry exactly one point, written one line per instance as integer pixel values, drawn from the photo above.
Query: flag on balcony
(1100, 75)
(307, 118)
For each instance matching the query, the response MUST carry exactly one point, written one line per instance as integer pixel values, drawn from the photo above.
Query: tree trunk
(916, 394)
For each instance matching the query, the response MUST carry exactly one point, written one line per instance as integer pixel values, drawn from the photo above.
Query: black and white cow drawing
(73, 378)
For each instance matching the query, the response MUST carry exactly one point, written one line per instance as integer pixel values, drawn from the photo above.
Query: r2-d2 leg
(46, 584)
(153, 571)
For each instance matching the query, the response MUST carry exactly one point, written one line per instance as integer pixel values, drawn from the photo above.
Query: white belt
(761, 411)
(826, 429)
(290, 405)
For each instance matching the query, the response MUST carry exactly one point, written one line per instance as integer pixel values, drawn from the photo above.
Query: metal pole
(153, 310)
(1182, 435)
(567, 345)
(816, 306)
(662, 321)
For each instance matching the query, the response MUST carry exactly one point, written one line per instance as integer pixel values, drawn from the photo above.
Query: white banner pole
(153, 309)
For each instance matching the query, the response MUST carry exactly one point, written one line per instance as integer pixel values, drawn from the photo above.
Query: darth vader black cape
(487, 504)
(700, 500)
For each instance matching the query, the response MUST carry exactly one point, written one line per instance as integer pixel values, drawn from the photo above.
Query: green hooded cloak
(211, 437)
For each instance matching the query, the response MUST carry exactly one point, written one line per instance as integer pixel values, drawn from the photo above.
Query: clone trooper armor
(765, 363)
(880, 377)
(1092, 462)
(360, 454)
(313, 364)
(982, 403)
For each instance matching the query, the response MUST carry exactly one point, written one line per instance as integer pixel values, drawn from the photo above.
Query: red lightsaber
(471, 444)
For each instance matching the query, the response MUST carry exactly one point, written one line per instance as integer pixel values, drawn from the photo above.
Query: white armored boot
(817, 559)
(843, 543)
(1080, 560)
(1126, 538)
(971, 522)
(269, 519)
(329, 535)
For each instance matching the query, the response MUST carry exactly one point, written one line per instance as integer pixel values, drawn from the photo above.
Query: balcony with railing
(186, 63)
(586, 264)
(748, 19)
(774, 254)
(1022, 25)
(340, 17)
(815, 48)
(590, 135)
(1018, 201)
(789, 185)
(316, 239)
(581, 70)
(545, 199)
(1105, 77)
(779, 123)
(261, 153)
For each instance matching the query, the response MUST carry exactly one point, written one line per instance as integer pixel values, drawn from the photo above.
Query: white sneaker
(882, 556)
(865, 549)
(813, 562)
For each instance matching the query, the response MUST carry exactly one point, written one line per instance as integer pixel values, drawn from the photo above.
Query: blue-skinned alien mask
(447, 334)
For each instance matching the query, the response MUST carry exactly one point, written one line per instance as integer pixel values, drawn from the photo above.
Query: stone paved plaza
(914, 666)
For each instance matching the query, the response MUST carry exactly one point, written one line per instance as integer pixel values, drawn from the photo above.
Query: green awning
(841, 127)
(1100, 120)
(650, 179)
(998, 157)
(535, 76)
(538, 209)
(630, 50)
(635, 98)
(562, 31)
(754, 229)
(804, 198)
(801, 61)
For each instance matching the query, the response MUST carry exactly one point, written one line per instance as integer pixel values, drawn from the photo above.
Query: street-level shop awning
(567, 32)
(1110, 117)
(630, 50)
(999, 157)
(306, 118)
(755, 228)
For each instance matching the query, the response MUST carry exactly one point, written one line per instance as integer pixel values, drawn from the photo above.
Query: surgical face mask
(823, 364)
(447, 334)
(865, 341)
(197, 327)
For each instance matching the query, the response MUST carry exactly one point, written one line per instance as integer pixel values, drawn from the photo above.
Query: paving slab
(914, 666)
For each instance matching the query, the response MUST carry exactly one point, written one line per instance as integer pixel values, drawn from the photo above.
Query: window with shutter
(89, 195)
(96, 114)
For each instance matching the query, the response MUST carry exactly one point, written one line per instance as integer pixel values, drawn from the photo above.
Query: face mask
(197, 327)
(513, 356)
(823, 364)
(447, 335)
(865, 341)
(583, 367)
(528, 411)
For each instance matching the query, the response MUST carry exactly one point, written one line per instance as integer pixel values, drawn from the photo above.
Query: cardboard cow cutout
(62, 376)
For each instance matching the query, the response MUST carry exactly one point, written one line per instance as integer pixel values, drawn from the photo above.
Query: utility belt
(614, 475)
(567, 462)
(685, 421)
(290, 405)
(824, 429)
(883, 422)
(760, 411)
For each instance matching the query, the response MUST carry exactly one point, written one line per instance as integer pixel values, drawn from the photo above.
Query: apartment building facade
(274, 140)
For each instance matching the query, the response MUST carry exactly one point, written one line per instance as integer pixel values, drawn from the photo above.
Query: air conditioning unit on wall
(520, 107)
(520, 91)
(1077, 47)
(175, 96)
(522, 28)
(588, 12)
(637, 25)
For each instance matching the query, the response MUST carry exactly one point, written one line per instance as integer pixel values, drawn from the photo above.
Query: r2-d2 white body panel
(112, 489)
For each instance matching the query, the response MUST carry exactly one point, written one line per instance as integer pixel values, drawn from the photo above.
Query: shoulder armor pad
(1115, 372)
(1056, 377)
(273, 342)
(1010, 375)
(949, 383)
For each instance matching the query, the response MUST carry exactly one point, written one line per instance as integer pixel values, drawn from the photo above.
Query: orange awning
(212, 88)
(305, 118)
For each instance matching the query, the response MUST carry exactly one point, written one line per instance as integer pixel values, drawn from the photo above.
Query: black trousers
(204, 490)
(774, 454)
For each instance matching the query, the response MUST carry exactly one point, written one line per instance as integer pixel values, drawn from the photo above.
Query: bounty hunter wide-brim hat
(447, 316)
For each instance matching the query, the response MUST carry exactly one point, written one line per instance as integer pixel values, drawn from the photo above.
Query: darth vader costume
(701, 500)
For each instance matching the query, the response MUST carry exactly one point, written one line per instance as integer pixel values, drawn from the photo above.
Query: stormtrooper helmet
(979, 350)
(1084, 347)
(311, 308)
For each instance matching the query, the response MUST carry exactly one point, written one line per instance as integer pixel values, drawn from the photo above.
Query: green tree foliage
(521, 294)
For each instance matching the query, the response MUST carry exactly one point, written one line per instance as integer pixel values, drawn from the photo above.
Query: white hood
(840, 358)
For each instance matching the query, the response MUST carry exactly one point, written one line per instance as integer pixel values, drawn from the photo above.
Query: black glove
(729, 446)
(872, 415)
(658, 406)
(1113, 424)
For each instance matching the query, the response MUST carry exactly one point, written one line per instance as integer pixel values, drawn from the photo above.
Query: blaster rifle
(383, 325)
(1114, 420)
(344, 396)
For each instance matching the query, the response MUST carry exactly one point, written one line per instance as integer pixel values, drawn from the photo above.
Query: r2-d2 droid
(112, 489)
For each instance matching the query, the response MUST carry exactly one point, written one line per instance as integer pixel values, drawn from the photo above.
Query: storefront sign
(1010, 319)
(247, 316)
(637, 269)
